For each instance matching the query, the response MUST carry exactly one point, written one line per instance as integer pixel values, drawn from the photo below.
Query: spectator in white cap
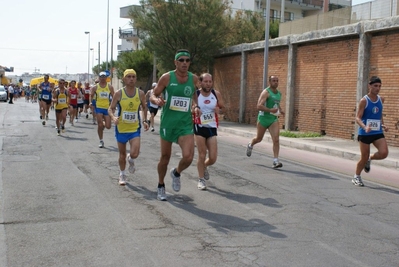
(152, 107)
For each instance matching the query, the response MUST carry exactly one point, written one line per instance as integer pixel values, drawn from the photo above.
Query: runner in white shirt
(205, 126)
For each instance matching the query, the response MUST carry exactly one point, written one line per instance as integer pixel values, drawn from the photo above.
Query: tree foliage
(139, 60)
(248, 27)
(197, 25)
(201, 26)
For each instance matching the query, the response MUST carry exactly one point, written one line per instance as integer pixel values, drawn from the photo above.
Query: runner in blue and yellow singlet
(128, 122)
(178, 90)
(101, 92)
(60, 101)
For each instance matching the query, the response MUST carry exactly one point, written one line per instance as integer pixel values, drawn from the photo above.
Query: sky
(49, 36)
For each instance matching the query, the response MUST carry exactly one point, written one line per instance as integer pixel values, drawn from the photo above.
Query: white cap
(154, 84)
(103, 73)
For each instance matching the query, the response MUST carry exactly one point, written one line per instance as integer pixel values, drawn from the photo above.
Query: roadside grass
(299, 134)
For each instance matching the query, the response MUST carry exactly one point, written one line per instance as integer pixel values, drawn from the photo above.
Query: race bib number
(129, 117)
(87, 92)
(62, 101)
(104, 95)
(374, 124)
(46, 97)
(179, 103)
(73, 96)
(207, 118)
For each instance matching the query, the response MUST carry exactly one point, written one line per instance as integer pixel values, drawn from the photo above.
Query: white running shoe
(122, 179)
(357, 180)
(132, 169)
(201, 184)
(175, 181)
(206, 174)
(161, 194)
(249, 149)
(101, 145)
(277, 164)
(367, 166)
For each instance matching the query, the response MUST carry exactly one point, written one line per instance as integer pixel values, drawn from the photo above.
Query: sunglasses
(183, 60)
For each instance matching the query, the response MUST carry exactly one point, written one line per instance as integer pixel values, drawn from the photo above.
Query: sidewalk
(347, 149)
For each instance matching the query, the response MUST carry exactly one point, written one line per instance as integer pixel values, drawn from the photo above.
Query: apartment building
(129, 35)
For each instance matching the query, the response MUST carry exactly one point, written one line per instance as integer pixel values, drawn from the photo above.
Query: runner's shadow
(270, 202)
(223, 222)
(388, 190)
(301, 174)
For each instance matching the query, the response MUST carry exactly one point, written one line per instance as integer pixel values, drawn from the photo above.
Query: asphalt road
(61, 205)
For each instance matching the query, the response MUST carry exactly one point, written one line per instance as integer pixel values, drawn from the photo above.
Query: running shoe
(101, 145)
(87, 116)
(76, 120)
(161, 193)
(44, 123)
(132, 169)
(249, 150)
(122, 179)
(152, 129)
(63, 128)
(201, 184)
(41, 117)
(206, 174)
(357, 180)
(367, 166)
(46, 117)
(277, 164)
(175, 180)
(58, 132)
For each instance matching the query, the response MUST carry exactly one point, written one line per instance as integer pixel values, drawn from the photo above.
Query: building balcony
(129, 34)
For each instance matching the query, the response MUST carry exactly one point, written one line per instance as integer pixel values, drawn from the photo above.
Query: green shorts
(172, 135)
(267, 121)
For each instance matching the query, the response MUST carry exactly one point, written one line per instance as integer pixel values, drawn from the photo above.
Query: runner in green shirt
(269, 110)
(175, 93)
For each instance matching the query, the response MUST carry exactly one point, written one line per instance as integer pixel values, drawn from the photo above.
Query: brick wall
(384, 59)
(226, 77)
(325, 83)
(325, 87)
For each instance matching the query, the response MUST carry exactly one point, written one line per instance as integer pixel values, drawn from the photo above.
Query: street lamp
(88, 60)
(92, 58)
(107, 34)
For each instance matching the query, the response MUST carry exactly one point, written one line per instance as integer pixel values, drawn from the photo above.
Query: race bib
(207, 118)
(87, 92)
(129, 117)
(61, 101)
(179, 103)
(374, 124)
(104, 95)
(46, 97)
(73, 96)
(278, 110)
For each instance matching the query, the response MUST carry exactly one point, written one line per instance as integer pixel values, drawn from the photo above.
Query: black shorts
(80, 105)
(205, 132)
(60, 110)
(86, 102)
(369, 139)
(48, 102)
(153, 110)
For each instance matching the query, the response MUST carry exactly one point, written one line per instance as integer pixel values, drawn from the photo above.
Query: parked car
(3, 94)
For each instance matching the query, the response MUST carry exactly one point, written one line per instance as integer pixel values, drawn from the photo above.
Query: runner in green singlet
(178, 89)
(269, 110)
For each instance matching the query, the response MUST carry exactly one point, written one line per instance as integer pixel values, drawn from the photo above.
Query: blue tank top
(372, 116)
(46, 91)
